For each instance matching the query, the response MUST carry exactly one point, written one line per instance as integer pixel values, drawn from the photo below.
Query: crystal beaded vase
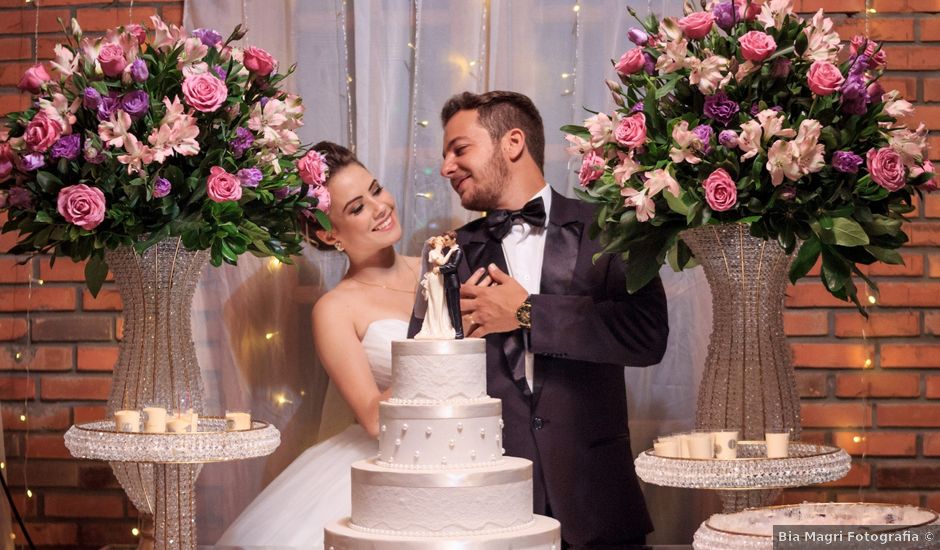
(157, 367)
(748, 383)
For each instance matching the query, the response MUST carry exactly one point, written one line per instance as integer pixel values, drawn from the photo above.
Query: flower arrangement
(145, 134)
(744, 113)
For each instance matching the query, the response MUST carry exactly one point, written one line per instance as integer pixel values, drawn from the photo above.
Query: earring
(339, 246)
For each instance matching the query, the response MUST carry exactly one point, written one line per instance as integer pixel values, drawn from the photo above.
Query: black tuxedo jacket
(585, 329)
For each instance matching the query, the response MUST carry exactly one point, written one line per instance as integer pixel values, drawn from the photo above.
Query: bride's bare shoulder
(338, 304)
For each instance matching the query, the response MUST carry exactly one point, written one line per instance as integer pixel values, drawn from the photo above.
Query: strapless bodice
(377, 342)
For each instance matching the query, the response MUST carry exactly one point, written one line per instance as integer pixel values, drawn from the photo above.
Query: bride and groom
(559, 328)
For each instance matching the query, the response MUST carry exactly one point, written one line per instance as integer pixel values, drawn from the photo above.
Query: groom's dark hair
(499, 112)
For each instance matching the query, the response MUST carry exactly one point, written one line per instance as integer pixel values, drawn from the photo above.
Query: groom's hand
(491, 309)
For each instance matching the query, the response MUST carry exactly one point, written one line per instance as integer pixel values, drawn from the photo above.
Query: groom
(559, 327)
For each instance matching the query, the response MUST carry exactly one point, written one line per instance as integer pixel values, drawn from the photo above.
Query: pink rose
(322, 195)
(41, 133)
(631, 62)
(222, 186)
(697, 25)
(259, 61)
(312, 168)
(592, 167)
(886, 168)
(111, 58)
(757, 46)
(824, 78)
(721, 193)
(749, 10)
(137, 31)
(631, 132)
(34, 78)
(81, 205)
(877, 60)
(205, 92)
(6, 169)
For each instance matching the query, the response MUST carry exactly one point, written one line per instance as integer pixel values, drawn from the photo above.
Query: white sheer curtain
(374, 75)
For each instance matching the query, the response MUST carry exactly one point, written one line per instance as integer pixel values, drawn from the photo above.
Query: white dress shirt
(523, 249)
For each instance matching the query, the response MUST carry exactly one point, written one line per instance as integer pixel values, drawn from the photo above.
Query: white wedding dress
(315, 488)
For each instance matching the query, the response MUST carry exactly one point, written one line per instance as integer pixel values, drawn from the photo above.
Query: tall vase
(157, 367)
(748, 383)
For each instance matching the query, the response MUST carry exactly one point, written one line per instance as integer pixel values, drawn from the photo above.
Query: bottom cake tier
(541, 534)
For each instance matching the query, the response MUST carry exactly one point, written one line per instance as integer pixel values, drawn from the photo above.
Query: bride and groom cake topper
(440, 289)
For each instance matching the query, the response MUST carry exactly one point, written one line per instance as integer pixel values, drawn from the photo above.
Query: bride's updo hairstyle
(336, 158)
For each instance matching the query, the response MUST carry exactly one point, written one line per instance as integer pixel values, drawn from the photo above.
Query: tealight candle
(777, 444)
(237, 421)
(193, 418)
(155, 421)
(726, 444)
(701, 445)
(127, 421)
(178, 425)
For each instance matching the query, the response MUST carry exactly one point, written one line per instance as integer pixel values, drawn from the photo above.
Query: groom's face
(473, 163)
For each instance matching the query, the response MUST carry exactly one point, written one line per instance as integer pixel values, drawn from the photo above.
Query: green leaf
(96, 269)
(805, 259)
(579, 131)
(848, 232)
(676, 204)
(885, 255)
(49, 182)
(43, 217)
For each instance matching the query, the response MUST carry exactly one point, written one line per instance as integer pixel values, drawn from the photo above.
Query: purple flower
(91, 99)
(139, 70)
(219, 72)
(780, 67)
(728, 138)
(108, 105)
(161, 188)
(92, 154)
(209, 37)
(650, 64)
(249, 177)
(638, 36)
(854, 95)
(787, 193)
(281, 192)
(637, 108)
(846, 161)
(264, 101)
(67, 147)
(241, 143)
(875, 91)
(720, 108)
(704, 132)
(724, 15)
(859, 65)
(20, 197)
(32, 161)
(136, 103)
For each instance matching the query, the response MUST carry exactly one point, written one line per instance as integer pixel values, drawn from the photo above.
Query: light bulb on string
(423, 123)
(425, 195)
(22, 418)
(565, 76)
(270, 335)
(858, 439)
(135, 532)
(29, 493)
(871, 299)
(576, 8)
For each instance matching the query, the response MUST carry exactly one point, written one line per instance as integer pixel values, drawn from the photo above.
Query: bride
(353, 327)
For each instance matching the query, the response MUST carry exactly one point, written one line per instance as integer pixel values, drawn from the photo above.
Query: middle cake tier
(439, 436)
(492, 499)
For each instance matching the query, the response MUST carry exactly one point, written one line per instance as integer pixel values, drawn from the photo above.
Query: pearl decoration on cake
(417, 455)
(397, 442)
(482, 433)
(451, 443)
(443, 460)
(404, 428)
(427, 431)
(473, 455)
(460, 427)
(501, 424)
(384, 428)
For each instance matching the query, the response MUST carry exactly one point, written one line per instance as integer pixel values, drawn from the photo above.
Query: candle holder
(175, 460)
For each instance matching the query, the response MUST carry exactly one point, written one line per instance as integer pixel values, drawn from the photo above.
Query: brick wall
(886, 415)
(75, 503)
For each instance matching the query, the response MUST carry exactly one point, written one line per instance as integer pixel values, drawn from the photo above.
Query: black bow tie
(499, 222)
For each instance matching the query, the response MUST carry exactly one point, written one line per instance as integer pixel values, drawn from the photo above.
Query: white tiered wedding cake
(440, 478)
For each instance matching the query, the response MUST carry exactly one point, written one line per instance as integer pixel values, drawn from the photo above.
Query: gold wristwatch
(524, 314)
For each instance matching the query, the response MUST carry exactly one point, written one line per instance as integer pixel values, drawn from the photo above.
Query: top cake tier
(432, 371)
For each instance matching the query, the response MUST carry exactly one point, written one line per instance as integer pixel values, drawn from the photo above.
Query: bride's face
(363, 213)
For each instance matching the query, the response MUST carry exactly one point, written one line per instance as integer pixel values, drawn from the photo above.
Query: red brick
(811, 384)
(888, 30)
(929, 6)
(42, 298)
(913, 266)
(907, 85)
(76, 388)
(859, 476)
(10, 102)
(893, 497)
(896, 415)
(97, 19)
(910, 355)
(15, 49)
(17, 387)
(64, 270)
(38, 417)
(836, 415)
(929, 30)
(49, 534)
(852, 324)
(73, 328)
(72, 505)
(23, 21)
(12, 329)
(48, 446)
(932, 444)
(907, 477)
(799, 496)
(922, 294)
(829, 355)
(814, 294)
(44, 473)
(12, 270)
(934, 143)
(805, 323)
(97, 358)
(915, 58)
(107, 300)
(38, 358)
(933, 266)
(815, 437)
(89, 413)
(923, 233)
(831, 6)
(877, 385)
(933, 501)
(877, 443)
(96, 477)
(932, 201)
(98, 534)
(933, 387)
(172, 14)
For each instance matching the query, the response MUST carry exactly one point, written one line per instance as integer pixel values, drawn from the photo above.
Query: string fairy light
(350, 98)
